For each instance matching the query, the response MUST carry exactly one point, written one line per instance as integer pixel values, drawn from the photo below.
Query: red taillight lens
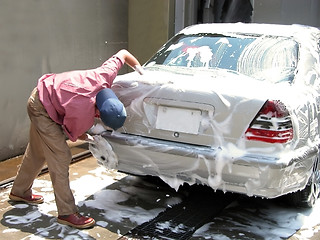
(272, 124)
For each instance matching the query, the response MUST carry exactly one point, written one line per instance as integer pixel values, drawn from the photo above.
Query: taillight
(272, 124)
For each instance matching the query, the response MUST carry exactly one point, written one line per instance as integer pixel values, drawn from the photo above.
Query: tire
(306, 197)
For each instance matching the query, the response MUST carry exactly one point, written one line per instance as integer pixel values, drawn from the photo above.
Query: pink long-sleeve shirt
(69, 97)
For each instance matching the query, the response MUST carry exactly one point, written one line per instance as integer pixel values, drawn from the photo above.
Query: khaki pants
(47, 143)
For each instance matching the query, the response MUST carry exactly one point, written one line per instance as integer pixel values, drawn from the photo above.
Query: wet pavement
(121, 203)
(22, 221)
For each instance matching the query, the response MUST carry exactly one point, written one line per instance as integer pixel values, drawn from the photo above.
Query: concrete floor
(116, 201)
(129, 202)
(15, 231)
(8, 168)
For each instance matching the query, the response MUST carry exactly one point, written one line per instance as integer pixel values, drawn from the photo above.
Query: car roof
(252, 29)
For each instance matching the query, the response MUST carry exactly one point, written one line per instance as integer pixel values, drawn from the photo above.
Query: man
(65, 105)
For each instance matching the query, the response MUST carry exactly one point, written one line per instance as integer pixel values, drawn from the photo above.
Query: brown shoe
(35, 199)
(76, 220)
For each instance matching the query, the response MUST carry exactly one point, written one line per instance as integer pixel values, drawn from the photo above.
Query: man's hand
(130, 60)
(139, 69)
(86, 137)
(89, 138)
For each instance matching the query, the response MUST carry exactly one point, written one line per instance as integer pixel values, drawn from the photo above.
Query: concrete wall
(41, 36)
(305, 12)
(151, 24)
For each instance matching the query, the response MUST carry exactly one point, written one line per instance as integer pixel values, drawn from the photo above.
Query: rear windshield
(261, 57)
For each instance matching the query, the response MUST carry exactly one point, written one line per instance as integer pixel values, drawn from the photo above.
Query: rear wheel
(307, 197)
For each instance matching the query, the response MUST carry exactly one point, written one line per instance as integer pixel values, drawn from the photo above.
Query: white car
(231, 106)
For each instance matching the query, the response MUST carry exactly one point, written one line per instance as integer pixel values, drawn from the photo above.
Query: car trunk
(198, 108)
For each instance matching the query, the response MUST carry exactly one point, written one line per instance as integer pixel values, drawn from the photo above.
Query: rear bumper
(177, 163)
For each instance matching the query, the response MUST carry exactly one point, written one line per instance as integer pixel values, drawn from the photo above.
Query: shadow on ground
(132, 201)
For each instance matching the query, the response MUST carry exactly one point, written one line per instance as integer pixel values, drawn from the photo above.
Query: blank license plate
(178, 119)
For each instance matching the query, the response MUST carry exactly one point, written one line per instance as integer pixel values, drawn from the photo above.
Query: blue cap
(112, 112)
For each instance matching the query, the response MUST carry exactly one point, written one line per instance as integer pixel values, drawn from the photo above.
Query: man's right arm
(130, 60)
